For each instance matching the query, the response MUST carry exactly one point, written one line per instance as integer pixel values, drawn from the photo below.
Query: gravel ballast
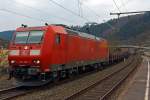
(62, 91)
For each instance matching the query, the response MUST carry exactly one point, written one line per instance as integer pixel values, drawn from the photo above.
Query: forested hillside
(6, 35)
(3, 43)
(130, 29)
(126, 28)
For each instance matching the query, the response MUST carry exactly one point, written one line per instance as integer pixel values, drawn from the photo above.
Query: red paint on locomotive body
(57, 47)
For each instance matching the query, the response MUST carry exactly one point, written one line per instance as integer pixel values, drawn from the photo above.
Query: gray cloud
(50, 13)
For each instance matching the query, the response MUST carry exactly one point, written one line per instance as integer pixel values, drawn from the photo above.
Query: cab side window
(57, 39)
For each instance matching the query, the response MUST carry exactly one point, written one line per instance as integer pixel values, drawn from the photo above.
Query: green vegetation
(124, 29)
(3, 58)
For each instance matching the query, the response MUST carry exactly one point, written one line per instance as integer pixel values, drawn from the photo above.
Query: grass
(3, 58)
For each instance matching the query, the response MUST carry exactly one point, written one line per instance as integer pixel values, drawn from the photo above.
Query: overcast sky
(41, 11)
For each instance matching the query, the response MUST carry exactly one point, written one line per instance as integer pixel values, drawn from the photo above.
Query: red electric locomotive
(40, 54)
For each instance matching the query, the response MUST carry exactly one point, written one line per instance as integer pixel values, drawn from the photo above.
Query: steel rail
(7, 89)
(6, 94)
(97, 83)
(107, 94)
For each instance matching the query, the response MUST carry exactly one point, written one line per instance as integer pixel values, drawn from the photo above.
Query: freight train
(38, 55)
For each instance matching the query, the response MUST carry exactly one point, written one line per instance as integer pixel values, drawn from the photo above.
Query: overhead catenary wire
(123, 5)
(117, 6)
(93, 11)
(23, 15)
(97, 15)
(41, 11)
(68, 10)
(80, 8)
(126, 3)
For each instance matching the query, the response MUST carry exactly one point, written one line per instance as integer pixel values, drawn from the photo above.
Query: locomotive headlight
(14, 52)
(36, 61)
(12, 61)
(35, 52)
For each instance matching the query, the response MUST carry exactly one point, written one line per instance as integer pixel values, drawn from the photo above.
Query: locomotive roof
(82, 34)
(58, 28)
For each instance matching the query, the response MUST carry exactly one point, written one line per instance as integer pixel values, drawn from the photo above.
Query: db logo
(24, 52)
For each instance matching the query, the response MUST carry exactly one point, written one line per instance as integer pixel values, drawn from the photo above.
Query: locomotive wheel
(70, 74)
(56, 77)
(96, 67)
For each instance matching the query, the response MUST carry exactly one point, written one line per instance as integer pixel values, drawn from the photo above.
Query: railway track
(12, 92)
(102, 89)
(19, 90)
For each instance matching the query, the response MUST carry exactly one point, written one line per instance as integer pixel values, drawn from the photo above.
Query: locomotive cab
(25, 52)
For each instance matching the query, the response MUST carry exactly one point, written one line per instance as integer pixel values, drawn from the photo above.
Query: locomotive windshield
(29, 37)
(21, 37)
